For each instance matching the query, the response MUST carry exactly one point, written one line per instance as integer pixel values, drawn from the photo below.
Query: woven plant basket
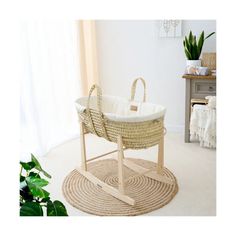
(135, 135)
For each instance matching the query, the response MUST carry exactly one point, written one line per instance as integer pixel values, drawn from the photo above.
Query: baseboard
(175, 128)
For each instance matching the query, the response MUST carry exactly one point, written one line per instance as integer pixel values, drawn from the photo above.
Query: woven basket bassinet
(140, 132)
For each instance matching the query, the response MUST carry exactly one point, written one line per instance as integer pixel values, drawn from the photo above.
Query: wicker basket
(135, 135)
(209, 60)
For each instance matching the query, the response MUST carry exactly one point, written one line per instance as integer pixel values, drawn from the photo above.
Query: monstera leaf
(31, 209)
(56, 208)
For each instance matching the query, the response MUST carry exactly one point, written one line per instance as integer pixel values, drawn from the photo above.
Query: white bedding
(118, 109)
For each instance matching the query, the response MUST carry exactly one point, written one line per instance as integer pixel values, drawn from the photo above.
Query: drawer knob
(210, 88)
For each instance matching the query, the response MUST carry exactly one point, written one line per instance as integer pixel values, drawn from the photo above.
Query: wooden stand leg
(160, 162)
(106, 187)
(83, 148)
(117, 193)
(120, 165)
(147, 172)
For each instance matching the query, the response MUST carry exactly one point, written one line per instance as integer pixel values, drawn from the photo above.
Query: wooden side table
(197, 87)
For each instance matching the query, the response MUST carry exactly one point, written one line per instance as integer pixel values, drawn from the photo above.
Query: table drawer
(203, 88)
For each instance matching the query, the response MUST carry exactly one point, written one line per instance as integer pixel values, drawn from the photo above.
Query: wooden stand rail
(156, 174)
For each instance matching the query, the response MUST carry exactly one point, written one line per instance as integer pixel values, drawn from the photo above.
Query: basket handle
(99, 98)
(99, 105)
(133, 89)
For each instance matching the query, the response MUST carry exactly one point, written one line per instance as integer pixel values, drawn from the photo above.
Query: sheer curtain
(50, 83)
(88, 54)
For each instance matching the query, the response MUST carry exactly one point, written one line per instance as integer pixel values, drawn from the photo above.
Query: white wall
(128, 49)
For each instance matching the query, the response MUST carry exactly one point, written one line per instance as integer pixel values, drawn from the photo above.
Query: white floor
(194, 167)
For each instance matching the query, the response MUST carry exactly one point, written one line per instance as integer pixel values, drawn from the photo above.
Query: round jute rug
(149, 194)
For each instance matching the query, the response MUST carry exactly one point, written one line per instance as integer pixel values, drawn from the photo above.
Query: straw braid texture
(99, 115)
(149, 194)
(133, 89)
(135, 135)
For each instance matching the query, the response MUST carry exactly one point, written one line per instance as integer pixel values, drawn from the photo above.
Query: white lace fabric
(203, 124)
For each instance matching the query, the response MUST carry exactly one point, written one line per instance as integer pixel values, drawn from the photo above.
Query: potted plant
(34, 200)
(193, 48)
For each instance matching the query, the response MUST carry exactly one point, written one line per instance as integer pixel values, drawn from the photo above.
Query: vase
(193, 62)
(192, 67)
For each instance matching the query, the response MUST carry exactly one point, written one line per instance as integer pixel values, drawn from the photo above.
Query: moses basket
(139, 123)
(130, 124)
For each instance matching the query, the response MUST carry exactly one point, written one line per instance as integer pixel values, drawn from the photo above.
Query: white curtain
(50, 84)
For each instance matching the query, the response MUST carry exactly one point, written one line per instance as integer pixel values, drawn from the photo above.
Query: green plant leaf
(193, 47)
(188, 54)
(193, 51)
(200, 44)
(46, 199)
(22, 178)
(38, 166)
(190, 37)
(23, 184)
(34, 174)
(56, 208)
(35, 185)
(37, 181)
(32, 195)
(34, 159)
(209, 35)
(27, 165)
(188, 46)
(186, 42)
(31, 209)
(46, 174)
(26, 194)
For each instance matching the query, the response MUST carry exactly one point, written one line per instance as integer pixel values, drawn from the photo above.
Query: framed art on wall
(170, 28)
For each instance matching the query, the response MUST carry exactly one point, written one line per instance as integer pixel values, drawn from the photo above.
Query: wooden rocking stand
(156, 174)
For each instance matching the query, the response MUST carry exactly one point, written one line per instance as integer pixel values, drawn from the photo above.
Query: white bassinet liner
(118, 109)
